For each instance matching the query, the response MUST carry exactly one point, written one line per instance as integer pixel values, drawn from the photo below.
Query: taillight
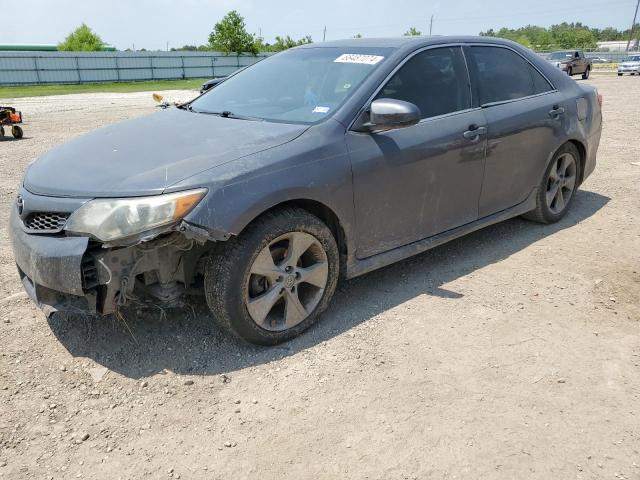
(600, 100)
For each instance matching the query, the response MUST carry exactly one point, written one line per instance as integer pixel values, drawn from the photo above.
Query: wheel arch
(324, 213)
(582, 150)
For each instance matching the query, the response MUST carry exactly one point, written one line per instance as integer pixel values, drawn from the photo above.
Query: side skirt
(366, 265)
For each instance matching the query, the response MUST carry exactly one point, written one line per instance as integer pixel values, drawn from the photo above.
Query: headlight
(114, 218)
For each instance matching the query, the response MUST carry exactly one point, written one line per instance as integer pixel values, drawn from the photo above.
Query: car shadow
(187, 341)
(9, 138)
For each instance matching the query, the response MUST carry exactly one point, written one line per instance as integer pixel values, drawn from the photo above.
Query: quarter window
(540, 84)
(505, 75)
(435, 80)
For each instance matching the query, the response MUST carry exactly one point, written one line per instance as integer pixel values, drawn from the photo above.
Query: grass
(118, 87)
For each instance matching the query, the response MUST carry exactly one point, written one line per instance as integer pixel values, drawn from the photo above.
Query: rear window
(504, 75)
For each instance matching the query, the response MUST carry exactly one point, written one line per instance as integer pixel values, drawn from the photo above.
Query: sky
(151, 24)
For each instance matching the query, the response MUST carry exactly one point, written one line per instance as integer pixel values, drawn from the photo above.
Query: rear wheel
(558, 186)
(1, 131)
(17, 132)
(586, 73)
(271, 283)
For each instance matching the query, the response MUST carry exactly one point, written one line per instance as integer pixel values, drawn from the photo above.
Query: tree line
(563, 35)
(230, 35)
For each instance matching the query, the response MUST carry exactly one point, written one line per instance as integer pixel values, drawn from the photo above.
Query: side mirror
(389, 113)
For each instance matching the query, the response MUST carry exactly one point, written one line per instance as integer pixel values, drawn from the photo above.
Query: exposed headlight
(110, 219)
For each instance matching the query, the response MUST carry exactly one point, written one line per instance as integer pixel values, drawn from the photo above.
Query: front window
(297, 86)
(560, 56)
(436, 81)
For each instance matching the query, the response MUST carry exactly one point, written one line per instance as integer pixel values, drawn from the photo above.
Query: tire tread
(231, 257)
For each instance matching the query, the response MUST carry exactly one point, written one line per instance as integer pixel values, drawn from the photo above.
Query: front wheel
(619, 74)
(586, 74)
(558, 186)
(569, 71)
(271, 283)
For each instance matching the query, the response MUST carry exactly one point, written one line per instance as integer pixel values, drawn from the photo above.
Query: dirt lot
(511, 353)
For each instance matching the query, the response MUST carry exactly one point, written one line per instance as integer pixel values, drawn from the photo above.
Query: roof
(405, 41)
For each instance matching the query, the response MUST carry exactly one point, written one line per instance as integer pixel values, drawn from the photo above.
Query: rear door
(525, 117)
(413, 182)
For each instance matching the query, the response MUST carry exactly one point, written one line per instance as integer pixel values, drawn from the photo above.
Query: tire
(569, 71)
(1, 131)
(238, 296)
(619, 74)
(17, 132)
(547, 204)
(586, 73)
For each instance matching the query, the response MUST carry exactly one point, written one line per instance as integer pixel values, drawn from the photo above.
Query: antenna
(324, 34)
(431, 25)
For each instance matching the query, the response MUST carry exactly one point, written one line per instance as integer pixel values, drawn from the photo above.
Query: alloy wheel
(561, 183)
(286, 281)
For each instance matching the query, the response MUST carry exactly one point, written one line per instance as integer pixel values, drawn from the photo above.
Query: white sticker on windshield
(358, 58)
(321, 110)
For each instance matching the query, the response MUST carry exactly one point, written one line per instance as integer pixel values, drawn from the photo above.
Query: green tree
(82, 39)
(230, 35)
(185, 48)
(281, 43)
(412, 32)
(563, 35)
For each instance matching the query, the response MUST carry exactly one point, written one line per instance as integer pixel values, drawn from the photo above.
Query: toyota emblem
(20, 204)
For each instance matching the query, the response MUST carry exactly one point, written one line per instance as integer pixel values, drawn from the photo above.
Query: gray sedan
(320, 163)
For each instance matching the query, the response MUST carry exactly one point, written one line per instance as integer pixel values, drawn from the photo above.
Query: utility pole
(324, 34)
(633, 24)
(431, 25)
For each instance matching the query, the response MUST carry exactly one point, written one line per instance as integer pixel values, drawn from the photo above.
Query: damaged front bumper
(69, 273)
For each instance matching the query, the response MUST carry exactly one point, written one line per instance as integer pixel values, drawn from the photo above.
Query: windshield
(297, 86)
(560, 55)
(632, 58)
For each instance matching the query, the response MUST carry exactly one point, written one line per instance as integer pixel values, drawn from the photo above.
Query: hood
(633, 63)
(143, 156)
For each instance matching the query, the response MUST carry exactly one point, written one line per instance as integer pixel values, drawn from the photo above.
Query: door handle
(556, 112)
(474, 132)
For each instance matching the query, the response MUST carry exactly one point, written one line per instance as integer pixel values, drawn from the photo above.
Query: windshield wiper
(228, 114)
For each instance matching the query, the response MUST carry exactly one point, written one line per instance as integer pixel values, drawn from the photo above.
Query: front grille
(46, 222)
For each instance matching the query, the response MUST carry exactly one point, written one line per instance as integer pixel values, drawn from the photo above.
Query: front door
(413, 182)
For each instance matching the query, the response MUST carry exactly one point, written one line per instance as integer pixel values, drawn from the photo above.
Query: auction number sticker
(358, 58)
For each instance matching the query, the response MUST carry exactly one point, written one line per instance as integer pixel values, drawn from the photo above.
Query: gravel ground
(511, 353)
